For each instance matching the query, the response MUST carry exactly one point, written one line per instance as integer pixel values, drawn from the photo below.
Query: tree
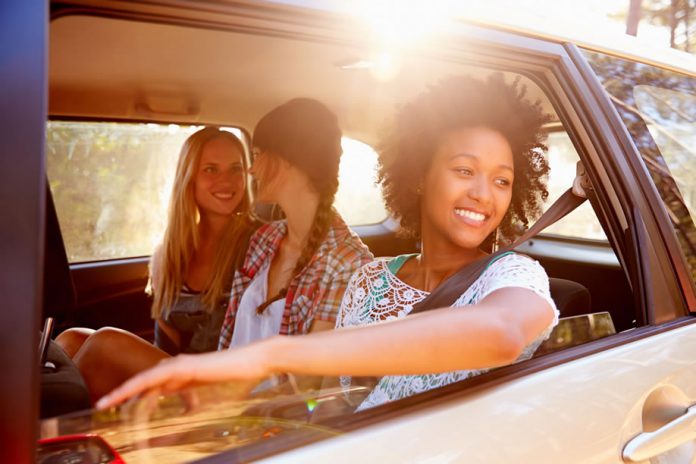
(677, 15)
(633, 17)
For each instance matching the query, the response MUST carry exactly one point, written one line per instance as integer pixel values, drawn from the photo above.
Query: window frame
(659, 217)
(560, 70)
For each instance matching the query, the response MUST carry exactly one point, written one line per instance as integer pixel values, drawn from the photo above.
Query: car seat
(571, 298)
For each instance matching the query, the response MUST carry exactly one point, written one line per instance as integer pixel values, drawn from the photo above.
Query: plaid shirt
(316, 292)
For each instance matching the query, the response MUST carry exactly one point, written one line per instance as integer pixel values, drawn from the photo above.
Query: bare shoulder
(155, 261)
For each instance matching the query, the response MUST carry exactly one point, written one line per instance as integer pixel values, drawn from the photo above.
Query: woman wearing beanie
(296, 270)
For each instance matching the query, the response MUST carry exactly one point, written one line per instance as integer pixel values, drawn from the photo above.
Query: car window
(359, 199)
(659, 109)
(579, 273)
(111, 183)
(672, 124)
(581, 223)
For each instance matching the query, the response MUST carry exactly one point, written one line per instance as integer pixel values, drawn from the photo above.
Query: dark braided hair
(459, 102)
(305, 133)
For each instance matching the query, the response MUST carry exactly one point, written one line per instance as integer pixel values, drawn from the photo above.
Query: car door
(600, 402)
(626, 398)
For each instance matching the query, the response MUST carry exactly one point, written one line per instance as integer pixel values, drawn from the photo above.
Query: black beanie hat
(305, 133)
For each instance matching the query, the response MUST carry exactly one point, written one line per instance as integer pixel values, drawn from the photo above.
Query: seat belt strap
(451, 289)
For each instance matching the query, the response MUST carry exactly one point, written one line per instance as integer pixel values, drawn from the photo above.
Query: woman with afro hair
(462, 168)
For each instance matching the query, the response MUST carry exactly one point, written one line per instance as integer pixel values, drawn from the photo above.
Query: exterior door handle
(650, 444)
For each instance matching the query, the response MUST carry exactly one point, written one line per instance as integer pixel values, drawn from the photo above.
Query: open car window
(111, 183)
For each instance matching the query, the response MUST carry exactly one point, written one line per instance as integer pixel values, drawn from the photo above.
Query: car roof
(106, 68)
(561, 29)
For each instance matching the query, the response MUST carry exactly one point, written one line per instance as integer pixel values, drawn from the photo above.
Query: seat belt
(454, 286)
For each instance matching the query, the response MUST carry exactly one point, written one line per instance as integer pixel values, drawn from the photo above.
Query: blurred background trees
(677, 15)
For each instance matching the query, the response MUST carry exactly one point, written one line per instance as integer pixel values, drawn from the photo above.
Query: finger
(155, 377)
(191, 399)
(141, 410)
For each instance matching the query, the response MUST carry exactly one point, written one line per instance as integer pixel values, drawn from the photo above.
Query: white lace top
(375, 294)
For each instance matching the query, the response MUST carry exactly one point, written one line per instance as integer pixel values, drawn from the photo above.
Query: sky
(586, 19)
(590, 16)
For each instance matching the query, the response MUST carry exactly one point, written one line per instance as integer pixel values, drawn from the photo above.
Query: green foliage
(679, 16)
(111, 184)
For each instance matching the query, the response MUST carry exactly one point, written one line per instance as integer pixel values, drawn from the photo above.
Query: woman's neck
(300, 209)
(211, 228)
(438, 261)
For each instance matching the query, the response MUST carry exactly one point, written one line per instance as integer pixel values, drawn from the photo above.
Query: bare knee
(105, 346)
(110, 356)
(71, 340)
(110, 336)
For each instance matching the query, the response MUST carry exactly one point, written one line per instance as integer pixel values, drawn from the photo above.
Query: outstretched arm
(489, 334)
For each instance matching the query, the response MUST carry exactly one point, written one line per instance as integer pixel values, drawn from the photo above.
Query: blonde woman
(190, 272)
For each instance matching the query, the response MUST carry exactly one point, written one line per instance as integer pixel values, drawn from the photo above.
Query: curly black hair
(460, 102)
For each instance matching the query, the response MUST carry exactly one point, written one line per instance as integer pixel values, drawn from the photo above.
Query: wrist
(275, 354)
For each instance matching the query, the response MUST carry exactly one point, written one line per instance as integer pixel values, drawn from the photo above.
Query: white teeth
(470, 214)
(223, 196)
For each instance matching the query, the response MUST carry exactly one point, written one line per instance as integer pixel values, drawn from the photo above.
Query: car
(101, 123)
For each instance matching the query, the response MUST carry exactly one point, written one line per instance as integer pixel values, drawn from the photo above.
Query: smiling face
(219, 180)
(468, 188)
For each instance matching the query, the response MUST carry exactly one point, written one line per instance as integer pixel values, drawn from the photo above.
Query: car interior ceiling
(190, 75)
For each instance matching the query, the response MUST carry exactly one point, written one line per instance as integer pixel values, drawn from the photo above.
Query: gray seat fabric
(62, 388)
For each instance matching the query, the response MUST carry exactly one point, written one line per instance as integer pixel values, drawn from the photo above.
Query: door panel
(112, 293)
(582, 411)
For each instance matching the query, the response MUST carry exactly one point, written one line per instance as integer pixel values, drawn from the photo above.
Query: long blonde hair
(170, 263)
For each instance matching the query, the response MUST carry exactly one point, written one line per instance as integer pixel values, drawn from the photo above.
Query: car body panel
(581, 411)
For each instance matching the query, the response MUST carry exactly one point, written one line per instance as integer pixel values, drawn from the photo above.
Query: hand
(248, 363)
